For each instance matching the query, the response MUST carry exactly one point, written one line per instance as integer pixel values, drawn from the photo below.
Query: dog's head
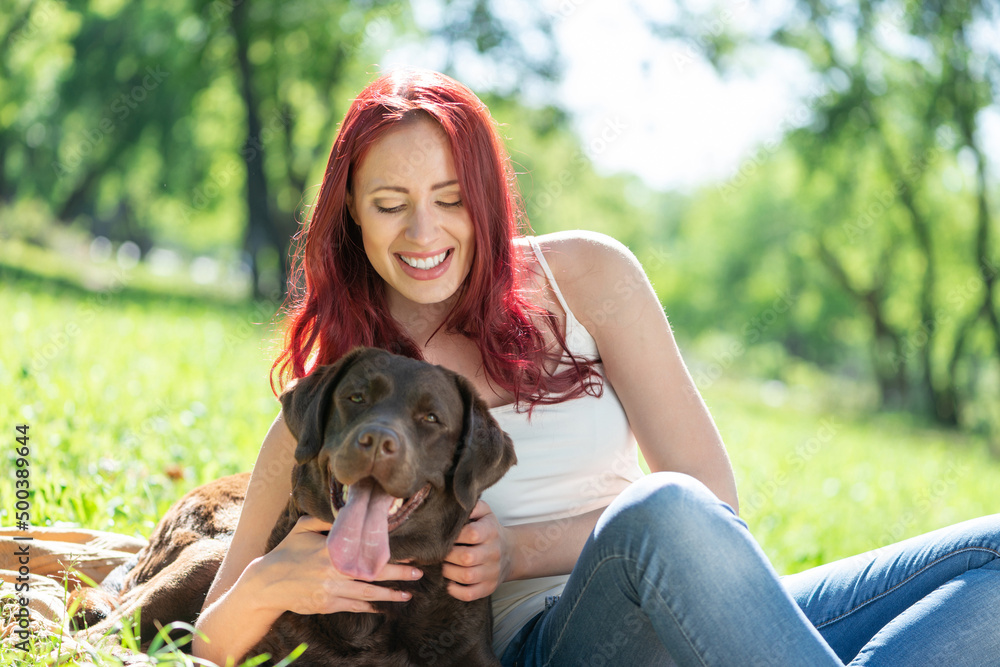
(394, 452)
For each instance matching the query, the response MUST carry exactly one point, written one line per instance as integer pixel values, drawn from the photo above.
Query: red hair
(336, 300)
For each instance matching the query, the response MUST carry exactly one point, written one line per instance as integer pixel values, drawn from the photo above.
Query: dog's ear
(486, 452)
(305, 406)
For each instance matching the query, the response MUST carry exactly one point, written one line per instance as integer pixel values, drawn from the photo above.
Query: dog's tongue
(358, 541)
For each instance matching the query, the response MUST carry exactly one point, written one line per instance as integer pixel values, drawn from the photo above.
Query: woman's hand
(480, 560)
(298, 576)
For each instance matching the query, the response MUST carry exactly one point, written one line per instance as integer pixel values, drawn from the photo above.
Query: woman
(413, 246)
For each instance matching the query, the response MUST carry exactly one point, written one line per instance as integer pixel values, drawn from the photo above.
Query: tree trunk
(887, 351)
(261, 231)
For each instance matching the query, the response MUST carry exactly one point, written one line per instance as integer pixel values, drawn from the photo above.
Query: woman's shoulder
(575, 240)
(592, 270)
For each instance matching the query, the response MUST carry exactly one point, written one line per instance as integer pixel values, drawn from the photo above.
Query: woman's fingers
(481, 509)
(473, 565)
(466, 576)
(368, 592)
(339, 593)
(471, 575)
(394, 572)
(469, 593)
(334, 596)
(308, 583)
(463, 556)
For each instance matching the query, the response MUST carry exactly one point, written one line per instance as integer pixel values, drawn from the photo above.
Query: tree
(201, 123)
(898, 194)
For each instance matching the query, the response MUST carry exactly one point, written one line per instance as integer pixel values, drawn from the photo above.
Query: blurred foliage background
(836, 297)
(191, 136)
(166, 152)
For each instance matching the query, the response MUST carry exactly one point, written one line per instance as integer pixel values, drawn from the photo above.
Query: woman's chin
(425, 300)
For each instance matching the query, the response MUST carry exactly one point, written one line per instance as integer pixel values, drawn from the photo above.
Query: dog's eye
(356, 398)
(431, 418)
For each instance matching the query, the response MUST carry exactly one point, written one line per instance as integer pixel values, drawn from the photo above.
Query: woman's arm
(487, 554)
(608, 291)
(252, 589)
(267, 496)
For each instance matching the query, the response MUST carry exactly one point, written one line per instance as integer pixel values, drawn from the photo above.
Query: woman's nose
(421, 228)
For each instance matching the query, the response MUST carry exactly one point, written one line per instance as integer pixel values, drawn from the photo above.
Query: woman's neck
(419, 320)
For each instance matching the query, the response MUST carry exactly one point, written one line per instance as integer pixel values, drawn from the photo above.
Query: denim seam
(573, 607)
(915, 574)
(590, 579)
(680, 627)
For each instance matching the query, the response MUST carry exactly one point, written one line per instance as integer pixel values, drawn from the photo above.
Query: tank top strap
(578, 339)
(537, 249)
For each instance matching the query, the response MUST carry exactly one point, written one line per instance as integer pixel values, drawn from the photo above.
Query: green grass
(817, 485)
(127, 391)
(134, 394)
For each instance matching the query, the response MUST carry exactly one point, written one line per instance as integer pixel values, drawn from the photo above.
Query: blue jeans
(672, 575)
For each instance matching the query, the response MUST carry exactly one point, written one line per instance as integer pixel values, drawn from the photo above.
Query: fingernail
(406, 596)
(417, 573)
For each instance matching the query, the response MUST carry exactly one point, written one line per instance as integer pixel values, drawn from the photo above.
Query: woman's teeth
(425, 264)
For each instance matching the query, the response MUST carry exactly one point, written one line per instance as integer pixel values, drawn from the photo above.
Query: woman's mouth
(425, 263)
(427, 267)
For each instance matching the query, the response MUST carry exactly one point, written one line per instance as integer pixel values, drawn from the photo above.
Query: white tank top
(572, 457)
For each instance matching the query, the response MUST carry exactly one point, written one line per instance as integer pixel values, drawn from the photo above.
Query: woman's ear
(351, 208)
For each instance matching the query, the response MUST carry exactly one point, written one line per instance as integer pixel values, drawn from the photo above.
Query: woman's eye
(356, 398)
(431, 418)
(450, 204)
(391, 209)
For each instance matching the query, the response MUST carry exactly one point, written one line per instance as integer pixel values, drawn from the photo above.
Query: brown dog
(169, 578)
(396, 447)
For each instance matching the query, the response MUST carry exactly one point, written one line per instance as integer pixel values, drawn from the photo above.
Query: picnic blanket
(56, 557)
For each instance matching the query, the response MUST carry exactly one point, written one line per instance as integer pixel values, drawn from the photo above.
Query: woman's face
(416, 230)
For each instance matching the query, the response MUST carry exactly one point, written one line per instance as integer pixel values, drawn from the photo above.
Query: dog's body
(169, 578)
(411, 446)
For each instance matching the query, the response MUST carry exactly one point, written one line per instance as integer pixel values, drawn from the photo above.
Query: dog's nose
(379, 441)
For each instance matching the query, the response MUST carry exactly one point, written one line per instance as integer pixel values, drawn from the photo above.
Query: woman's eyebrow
(405, 191)
(394, 188)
